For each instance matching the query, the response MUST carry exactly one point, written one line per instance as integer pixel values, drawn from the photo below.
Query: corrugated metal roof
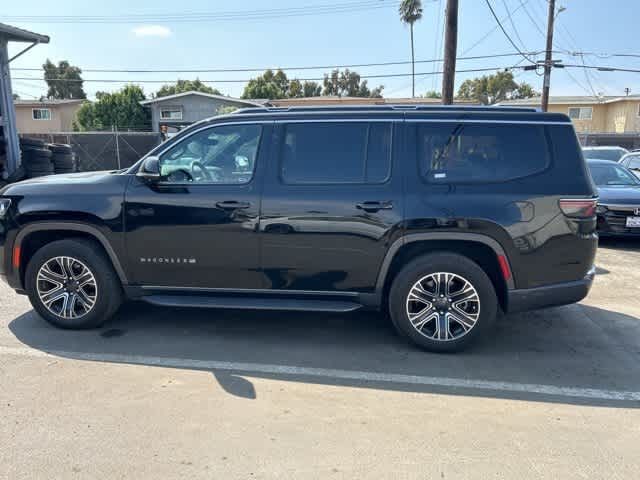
(15, 34)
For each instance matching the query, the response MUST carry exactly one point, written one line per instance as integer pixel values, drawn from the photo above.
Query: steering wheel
(202, 174)
(180, 175)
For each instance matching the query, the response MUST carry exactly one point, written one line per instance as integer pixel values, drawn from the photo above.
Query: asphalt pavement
(176, 393)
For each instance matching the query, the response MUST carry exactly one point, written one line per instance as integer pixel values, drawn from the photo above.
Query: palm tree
(410, 12)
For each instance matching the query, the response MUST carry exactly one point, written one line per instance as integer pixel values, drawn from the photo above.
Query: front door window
(218, 155)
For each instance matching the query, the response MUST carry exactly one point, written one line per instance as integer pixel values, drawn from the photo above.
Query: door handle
(374, 206)
(232, 205)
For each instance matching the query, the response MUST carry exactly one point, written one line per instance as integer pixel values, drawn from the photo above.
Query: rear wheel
(443, 302)
(72, 284)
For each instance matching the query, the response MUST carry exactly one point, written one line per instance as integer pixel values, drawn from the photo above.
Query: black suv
(441, 215)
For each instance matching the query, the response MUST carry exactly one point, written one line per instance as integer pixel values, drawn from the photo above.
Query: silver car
(632, 162)
(604, 153)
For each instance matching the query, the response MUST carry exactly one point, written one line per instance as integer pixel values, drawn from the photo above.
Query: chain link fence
(103, 150)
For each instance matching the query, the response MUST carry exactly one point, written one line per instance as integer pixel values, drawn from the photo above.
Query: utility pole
(450, 51)
(548, 63)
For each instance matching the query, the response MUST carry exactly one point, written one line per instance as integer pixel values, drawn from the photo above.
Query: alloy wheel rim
(443, 306)
(66, 287)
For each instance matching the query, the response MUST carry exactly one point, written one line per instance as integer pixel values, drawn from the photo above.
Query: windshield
(608, 175)
(614, 154)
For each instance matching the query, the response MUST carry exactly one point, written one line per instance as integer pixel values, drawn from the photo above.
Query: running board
(252, 303)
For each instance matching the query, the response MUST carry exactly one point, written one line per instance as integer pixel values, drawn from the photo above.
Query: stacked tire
(3, 153)
(62, 158)
(36, 158)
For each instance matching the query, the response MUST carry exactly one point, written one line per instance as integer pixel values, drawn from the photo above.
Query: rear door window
(340, 152)
(467, 152)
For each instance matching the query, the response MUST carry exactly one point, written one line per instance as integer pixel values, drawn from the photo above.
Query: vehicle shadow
(573, 347)
(620, 243)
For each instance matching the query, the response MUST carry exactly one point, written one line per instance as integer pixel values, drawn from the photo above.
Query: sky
(371, 35)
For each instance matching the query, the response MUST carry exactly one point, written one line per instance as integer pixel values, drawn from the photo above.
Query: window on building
(171, 113)
(41, 113)
(317, 153)
(639, 109)
(580, 113)
(459, 153)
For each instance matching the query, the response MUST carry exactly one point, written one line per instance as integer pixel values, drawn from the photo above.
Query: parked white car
(604, 153)
(632, 162)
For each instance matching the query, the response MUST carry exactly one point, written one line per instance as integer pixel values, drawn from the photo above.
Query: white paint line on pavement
(362, 376)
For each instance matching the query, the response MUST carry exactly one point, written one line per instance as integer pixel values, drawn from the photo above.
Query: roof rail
(387, 108)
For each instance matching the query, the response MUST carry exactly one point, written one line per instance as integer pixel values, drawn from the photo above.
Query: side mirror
(150, 169)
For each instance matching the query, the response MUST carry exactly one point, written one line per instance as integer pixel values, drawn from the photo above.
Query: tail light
(579, 207)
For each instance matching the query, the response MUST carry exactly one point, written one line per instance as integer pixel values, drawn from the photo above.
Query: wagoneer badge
(167, 260)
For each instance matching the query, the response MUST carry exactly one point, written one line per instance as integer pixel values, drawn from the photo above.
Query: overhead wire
(490, 31)
(208, 16)
(495, 16)
(262, 69)
(391, 75)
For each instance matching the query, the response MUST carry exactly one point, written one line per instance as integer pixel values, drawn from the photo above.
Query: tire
(84, 253)
(36, 153)
(62, 163)
(479, 310)
(37, 162)
(60, 148)
(32, 142)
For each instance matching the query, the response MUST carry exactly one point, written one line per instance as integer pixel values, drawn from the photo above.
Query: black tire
(109, 289)
(62, 163)
(37, 162)
(60, 148)
(452, 263)
(36, 153)
(32, 142)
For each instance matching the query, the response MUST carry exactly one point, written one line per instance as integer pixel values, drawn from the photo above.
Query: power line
(261, 69)
(604, 68)
(513, 25)
(204, 16)
(489, 32)
(113, 80)
(506, 34)
(542, 33)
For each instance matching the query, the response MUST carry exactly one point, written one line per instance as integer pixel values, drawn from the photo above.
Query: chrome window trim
(625, 208)
(342, 120)
(505, 122)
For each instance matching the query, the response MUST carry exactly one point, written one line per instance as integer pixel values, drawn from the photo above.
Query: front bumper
(521, 300)
(614, 222)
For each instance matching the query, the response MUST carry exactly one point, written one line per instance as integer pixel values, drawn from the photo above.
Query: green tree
(410, 12)
(491, 89)
(182, 86)
(268, 85)
(432, 94)
(298, 89)
(227, 109)
(119, 109)
(311, 89)
(63, 80)
(348, 83)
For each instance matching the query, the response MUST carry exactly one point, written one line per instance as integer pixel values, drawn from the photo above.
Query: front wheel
(442, 302)
(72, 284)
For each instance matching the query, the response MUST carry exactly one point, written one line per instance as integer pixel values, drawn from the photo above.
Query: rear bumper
(521, 300)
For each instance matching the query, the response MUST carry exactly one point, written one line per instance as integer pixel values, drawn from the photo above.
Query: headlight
(5, 203)
(601, 209)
